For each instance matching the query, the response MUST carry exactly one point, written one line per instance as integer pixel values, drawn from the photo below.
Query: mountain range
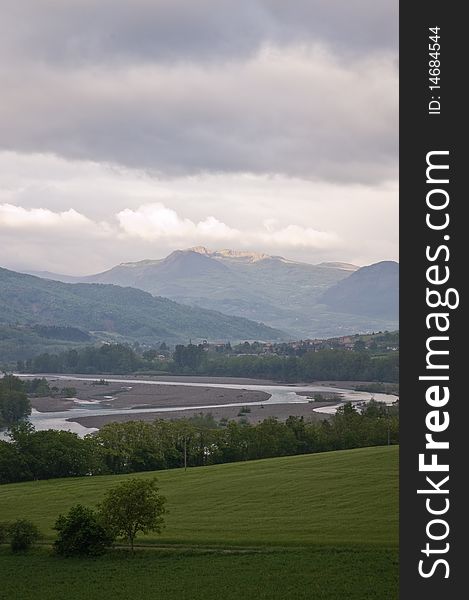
(301, 299)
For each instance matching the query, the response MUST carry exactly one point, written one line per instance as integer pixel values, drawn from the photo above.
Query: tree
(14, 403)
(13, 465)
(133, 506)
(38, 387)
(188, 357)
(22, 534)
(80, 533)
(129, 447)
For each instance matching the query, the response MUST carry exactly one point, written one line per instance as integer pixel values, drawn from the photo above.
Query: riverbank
(100, 399)
(256, 414)
(144, 395)
(138, 395)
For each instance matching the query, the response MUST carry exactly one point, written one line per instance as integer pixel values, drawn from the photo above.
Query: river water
(280, 394)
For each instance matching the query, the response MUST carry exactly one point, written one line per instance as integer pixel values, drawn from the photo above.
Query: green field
(318, 526)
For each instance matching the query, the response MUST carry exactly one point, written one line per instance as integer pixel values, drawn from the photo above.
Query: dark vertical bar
(423, 130)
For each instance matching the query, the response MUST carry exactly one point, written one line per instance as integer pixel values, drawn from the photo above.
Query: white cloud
(22, 218)
(211, 228)
(94, 216)
(156, 221)
(297, 236)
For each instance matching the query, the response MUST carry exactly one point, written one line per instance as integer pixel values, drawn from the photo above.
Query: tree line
(355, 365)
(146, 446)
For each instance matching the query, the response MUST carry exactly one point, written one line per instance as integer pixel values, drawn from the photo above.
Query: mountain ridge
(115, 312)
(285, 294)
(225, 253)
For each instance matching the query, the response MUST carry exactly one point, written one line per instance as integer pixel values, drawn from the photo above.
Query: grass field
(321, 574)
(319, 526)
(335, 497)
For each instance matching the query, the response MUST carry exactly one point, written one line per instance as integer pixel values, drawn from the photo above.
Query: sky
(131, 128)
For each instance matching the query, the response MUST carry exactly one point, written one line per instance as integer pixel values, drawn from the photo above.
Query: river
(280, 394)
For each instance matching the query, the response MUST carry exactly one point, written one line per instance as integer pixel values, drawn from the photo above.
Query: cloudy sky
(130, 128)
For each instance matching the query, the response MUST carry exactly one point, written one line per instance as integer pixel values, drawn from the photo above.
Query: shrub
(80, 533)
(23, 534)
(68, 392)
(4, 527)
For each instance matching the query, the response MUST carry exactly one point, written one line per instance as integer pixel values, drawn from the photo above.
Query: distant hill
(285, 294)
(54, 276)
(371, 291)
(20, 342)
(108, 312)
(256, 286)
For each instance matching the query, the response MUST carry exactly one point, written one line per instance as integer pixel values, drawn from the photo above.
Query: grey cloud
(186, 102)
(299, 112)
(81, 31)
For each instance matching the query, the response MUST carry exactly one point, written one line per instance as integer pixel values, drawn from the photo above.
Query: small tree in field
(80, 533)
(133, 506)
